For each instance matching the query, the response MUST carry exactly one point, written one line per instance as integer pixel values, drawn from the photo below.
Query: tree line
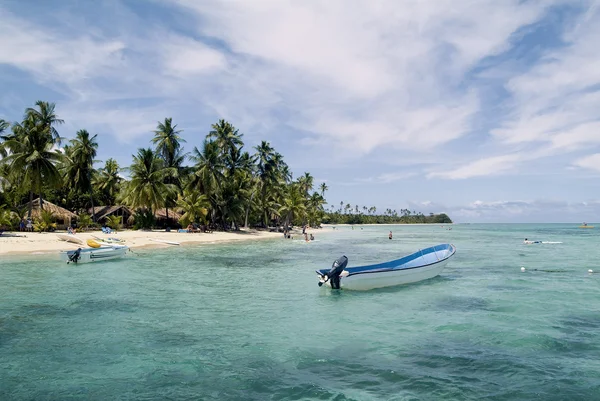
(220, 184)
(348, 214)
(225, 187)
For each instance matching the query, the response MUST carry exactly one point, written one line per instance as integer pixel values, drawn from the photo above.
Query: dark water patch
(504, 288)
(582, 322)
(170, 338)
(462, 303)
(103, 305)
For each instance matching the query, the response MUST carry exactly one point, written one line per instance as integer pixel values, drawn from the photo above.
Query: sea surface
(247, 321)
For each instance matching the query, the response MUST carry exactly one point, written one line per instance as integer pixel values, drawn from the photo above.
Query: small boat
(88, 255)
(93, 244)
(585, 225)
(70, 238)
(421, 265)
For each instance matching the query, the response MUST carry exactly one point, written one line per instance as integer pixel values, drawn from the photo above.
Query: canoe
(421, 265)
(89, 255)
(586, 226)
(70, 238)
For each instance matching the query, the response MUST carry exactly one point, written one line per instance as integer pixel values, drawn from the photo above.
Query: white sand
(13, 243)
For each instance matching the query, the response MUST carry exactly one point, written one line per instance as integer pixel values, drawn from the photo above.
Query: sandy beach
(16, 243)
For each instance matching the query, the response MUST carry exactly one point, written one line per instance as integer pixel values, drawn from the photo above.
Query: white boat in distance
(89, 255)
(422, 265)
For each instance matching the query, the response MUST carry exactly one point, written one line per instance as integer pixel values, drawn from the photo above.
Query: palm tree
(293, 204)
(167, 140)
(306, 183)
(3, 126)
(45, 116)
(168, 146)
(31, 156)
(80, 169)
(209, 167)
(226, 136)
(108, 179)
(147, 188)
(194, 205)
(323, 187)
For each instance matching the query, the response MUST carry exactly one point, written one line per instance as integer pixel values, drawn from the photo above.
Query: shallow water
(247, 321)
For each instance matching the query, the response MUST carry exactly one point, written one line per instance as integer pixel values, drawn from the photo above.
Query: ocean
(247, 321)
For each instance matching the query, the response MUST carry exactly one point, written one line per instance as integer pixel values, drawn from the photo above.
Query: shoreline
(387, 224)
(28, 243)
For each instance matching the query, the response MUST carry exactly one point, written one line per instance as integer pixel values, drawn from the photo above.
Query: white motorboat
(421, 265)
(87, 255)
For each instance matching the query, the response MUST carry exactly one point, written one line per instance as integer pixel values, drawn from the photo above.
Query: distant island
(368, 215)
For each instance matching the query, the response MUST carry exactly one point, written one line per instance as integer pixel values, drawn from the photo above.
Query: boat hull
(419, 266)
(70, 238)
(90, 255)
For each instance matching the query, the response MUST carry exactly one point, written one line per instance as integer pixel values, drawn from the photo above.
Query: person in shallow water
(390, 236)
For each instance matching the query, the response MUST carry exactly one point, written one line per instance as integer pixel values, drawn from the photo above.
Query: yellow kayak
(93, 244)
(586, 226)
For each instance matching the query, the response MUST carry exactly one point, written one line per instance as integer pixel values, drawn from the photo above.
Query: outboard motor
(336, 269)
(75, 257)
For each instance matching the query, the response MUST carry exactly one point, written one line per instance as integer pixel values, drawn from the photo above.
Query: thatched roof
(57, 211)
(162, 214)
(102, 211)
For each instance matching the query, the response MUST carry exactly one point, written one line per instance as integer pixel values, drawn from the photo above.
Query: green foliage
(46, 221)
(114, 222)
(226, 186)
(84, 221)
(8, 219)
(143, 219)
(365, 215)
(194, 205)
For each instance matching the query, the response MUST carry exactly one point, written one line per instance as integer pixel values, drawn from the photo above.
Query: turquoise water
(247, 321)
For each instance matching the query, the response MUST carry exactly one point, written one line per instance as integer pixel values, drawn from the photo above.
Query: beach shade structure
(102, 212)
(161, 217)
(63, 216)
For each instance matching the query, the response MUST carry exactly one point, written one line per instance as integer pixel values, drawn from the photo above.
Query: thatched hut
(102, 212)
(63, 216)
(161, 217)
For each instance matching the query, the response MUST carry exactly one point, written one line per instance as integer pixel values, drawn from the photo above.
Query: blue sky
(488, 110)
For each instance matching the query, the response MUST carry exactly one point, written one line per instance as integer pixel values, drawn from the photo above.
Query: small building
(63, 216)
(161, 218)
(102, 212)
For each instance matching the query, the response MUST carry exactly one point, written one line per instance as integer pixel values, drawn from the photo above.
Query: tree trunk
(93, 210)
(248, 210)
(30, 204)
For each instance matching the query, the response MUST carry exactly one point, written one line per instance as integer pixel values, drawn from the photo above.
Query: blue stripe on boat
(424, 257)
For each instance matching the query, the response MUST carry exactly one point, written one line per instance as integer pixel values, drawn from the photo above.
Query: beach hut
(161, 217)
(63, 216)
(102, 212)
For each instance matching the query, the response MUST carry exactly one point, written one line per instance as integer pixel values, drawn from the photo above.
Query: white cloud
(591, 162)
(557, 100)
(185, 56)
(482, 167)
(387, 178)
(368, 76)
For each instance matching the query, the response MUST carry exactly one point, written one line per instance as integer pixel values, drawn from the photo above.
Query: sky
(486, 110)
